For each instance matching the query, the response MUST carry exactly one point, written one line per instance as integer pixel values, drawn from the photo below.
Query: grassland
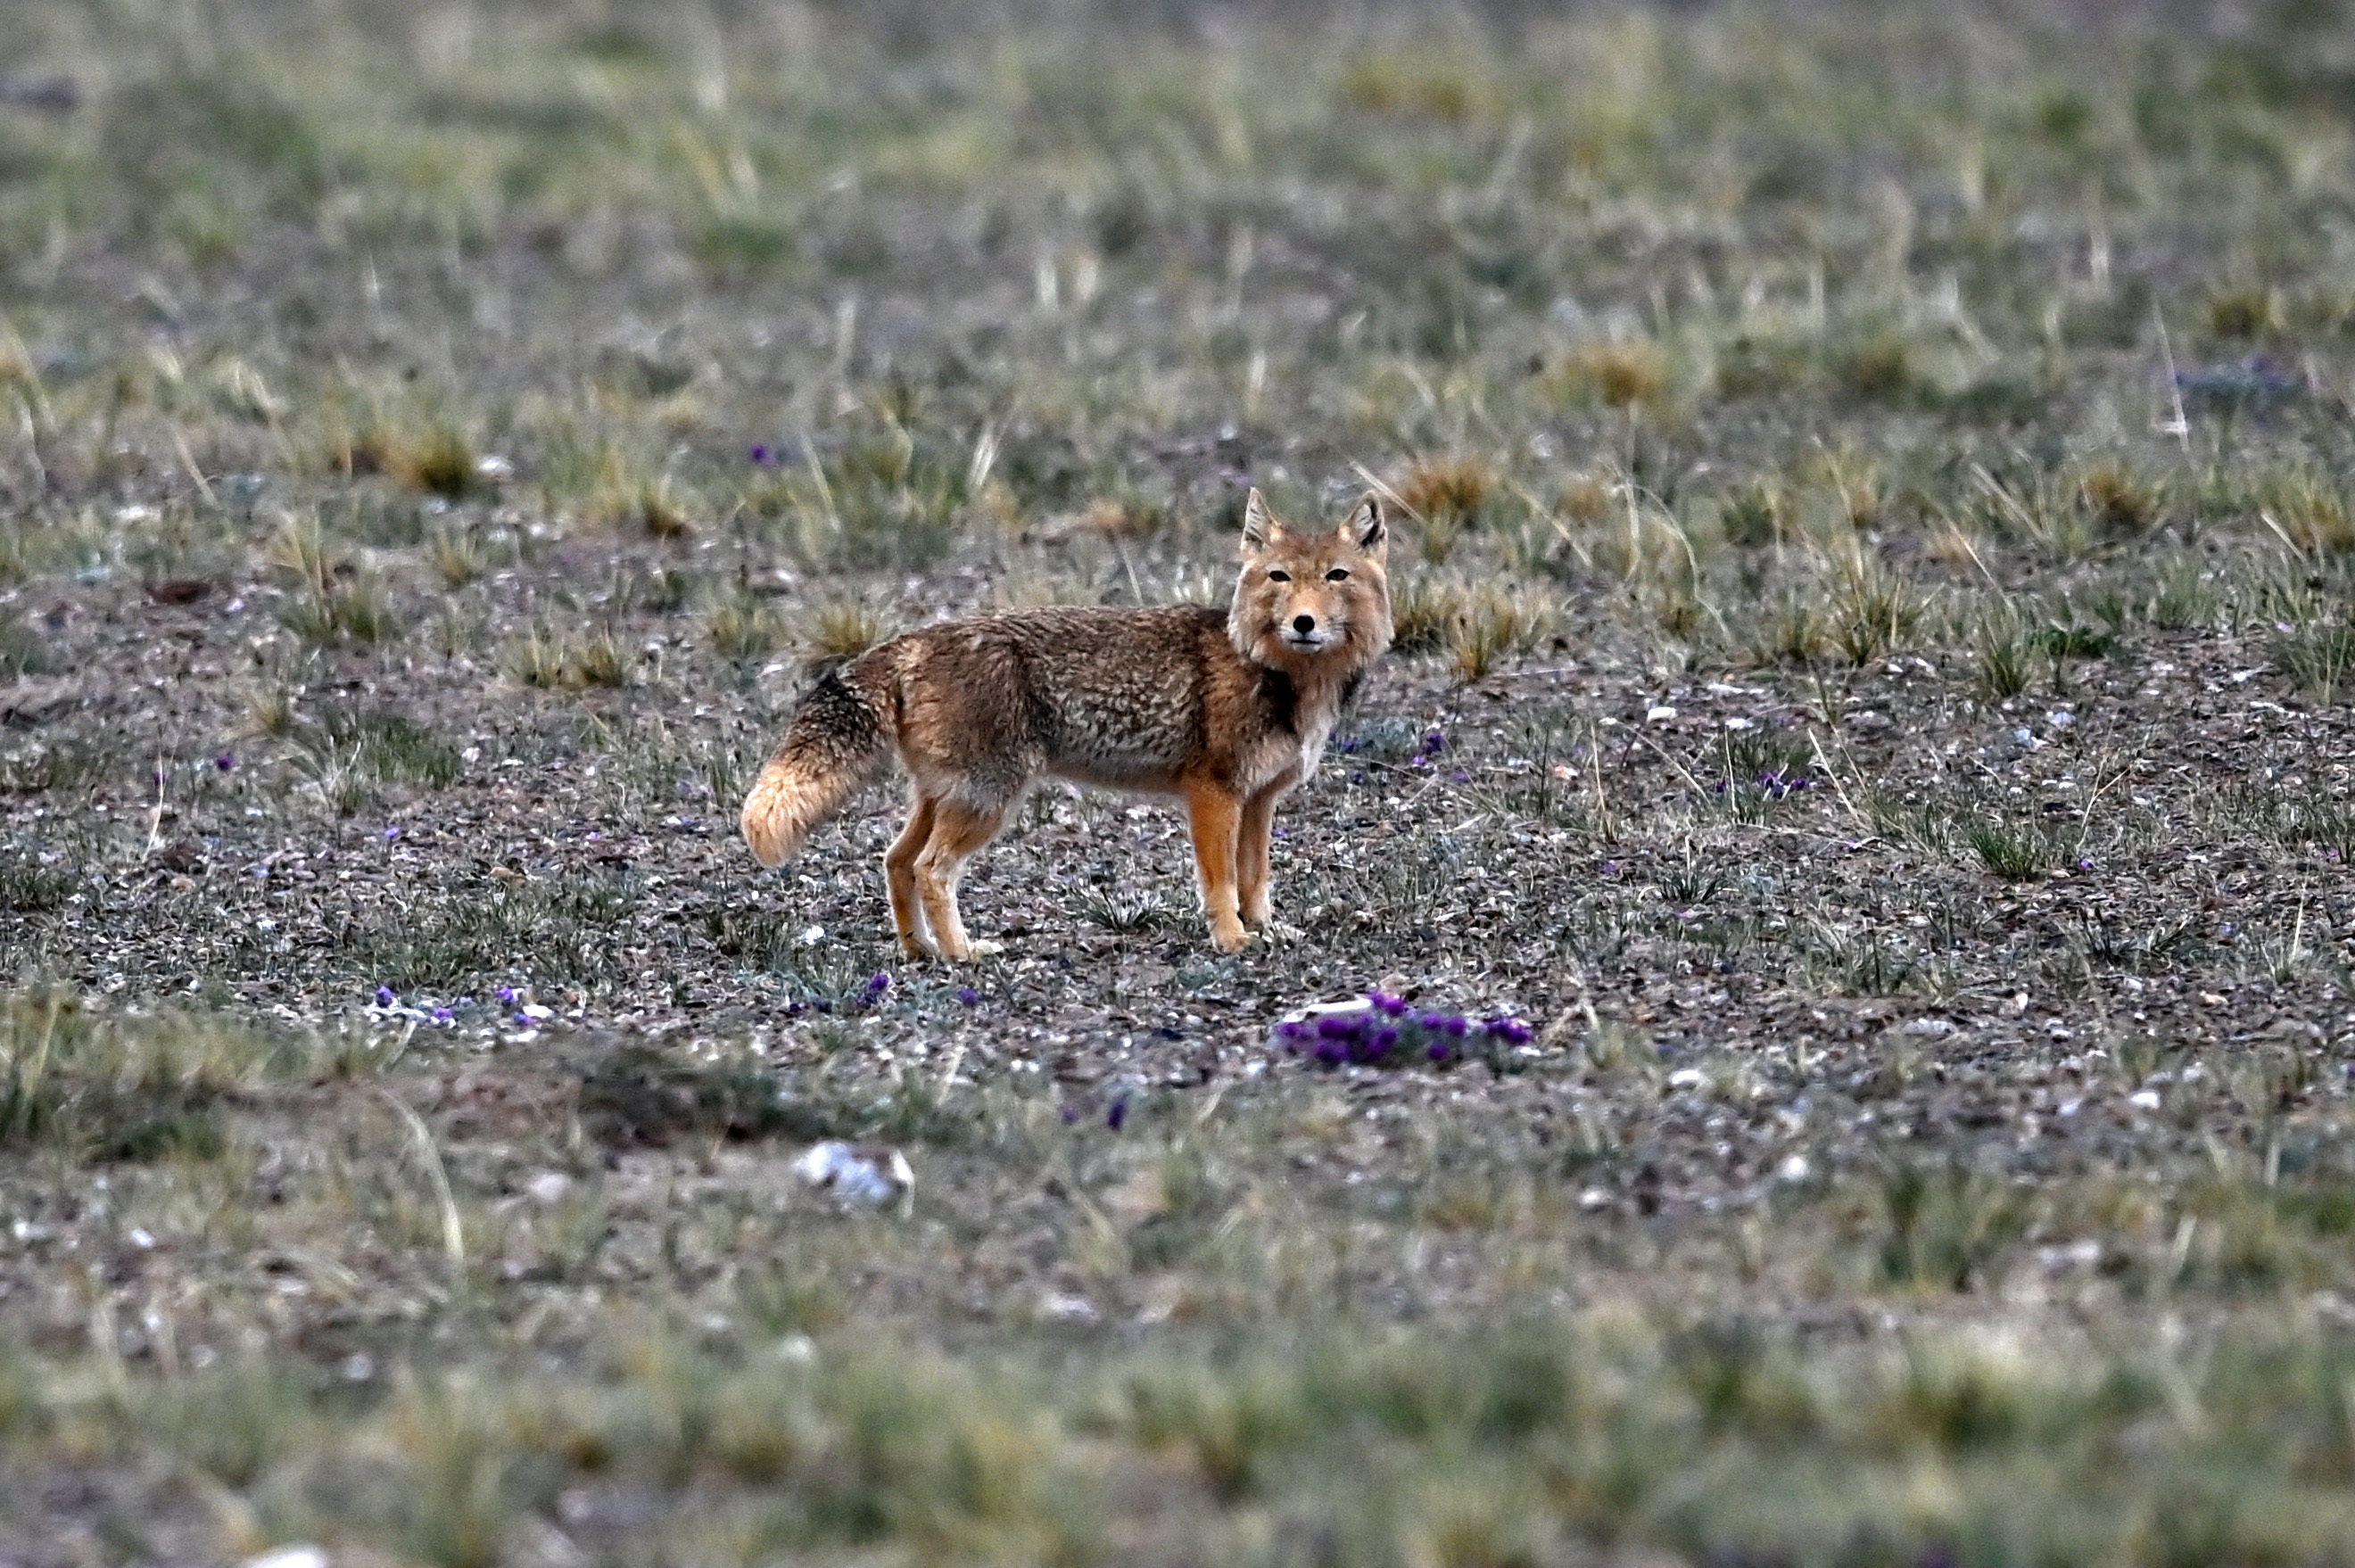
(1876, 621)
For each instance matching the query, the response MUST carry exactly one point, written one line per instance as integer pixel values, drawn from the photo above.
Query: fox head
(1312, 600)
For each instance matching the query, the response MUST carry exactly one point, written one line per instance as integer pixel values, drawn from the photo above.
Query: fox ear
(1260, 527)
(1364, 527)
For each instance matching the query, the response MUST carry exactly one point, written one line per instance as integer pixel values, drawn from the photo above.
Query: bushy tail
(838, 736)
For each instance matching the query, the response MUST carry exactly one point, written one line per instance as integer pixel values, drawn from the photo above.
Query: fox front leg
(1257, 826)
(1216, 818)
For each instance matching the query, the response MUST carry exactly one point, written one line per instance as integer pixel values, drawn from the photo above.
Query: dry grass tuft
(2236, 314)
(1448, 495)
(842, 628)
(1616, 375)
(2310, 510)
(2121, 500)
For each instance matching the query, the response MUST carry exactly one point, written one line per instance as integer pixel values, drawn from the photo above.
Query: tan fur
(1226, 712)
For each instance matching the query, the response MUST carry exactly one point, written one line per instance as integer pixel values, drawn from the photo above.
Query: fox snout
(1307, 629)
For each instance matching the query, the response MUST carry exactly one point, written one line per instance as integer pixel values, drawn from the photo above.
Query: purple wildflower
(1118, 1114)
(442, 1015)
(878, 985)
(383, 997)
(1436, 1051)
(968, 996)
(762, 456)
(506, 994)
(1434, 742)
(391, 832)
(225, 762)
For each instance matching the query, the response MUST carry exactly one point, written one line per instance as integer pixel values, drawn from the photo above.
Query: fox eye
(1279, 577)
(1337, 575)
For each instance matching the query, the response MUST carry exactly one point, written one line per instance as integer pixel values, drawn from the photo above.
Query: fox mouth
(1309, 642)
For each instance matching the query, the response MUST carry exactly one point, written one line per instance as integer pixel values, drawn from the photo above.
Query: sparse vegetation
(1873, 590)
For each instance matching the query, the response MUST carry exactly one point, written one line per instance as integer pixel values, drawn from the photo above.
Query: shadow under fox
(1226, 710)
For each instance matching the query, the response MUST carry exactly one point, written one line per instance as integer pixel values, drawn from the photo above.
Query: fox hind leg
(958, 829)
(900, 875)
(1215, 816)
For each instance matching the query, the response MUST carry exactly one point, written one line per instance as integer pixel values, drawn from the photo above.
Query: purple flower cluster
(1773, 783)
(1391, 1033)
(2257, 382)
(386, 999)
(868, 996)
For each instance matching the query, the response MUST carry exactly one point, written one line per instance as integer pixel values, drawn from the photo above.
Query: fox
(1226, 710)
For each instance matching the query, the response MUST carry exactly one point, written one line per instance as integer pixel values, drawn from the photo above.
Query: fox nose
(1303, 625)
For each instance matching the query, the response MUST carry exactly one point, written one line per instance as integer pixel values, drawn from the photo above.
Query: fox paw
(1230, 936)
(969, 949)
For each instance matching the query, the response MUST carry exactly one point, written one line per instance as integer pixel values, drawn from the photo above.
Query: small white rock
(1794, 1170)
(305, 1556)
(547, 1186)
(2144, 1099)
(2074, 1255)
(1663, 714)
(1065, 1308)
(870, 1174)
